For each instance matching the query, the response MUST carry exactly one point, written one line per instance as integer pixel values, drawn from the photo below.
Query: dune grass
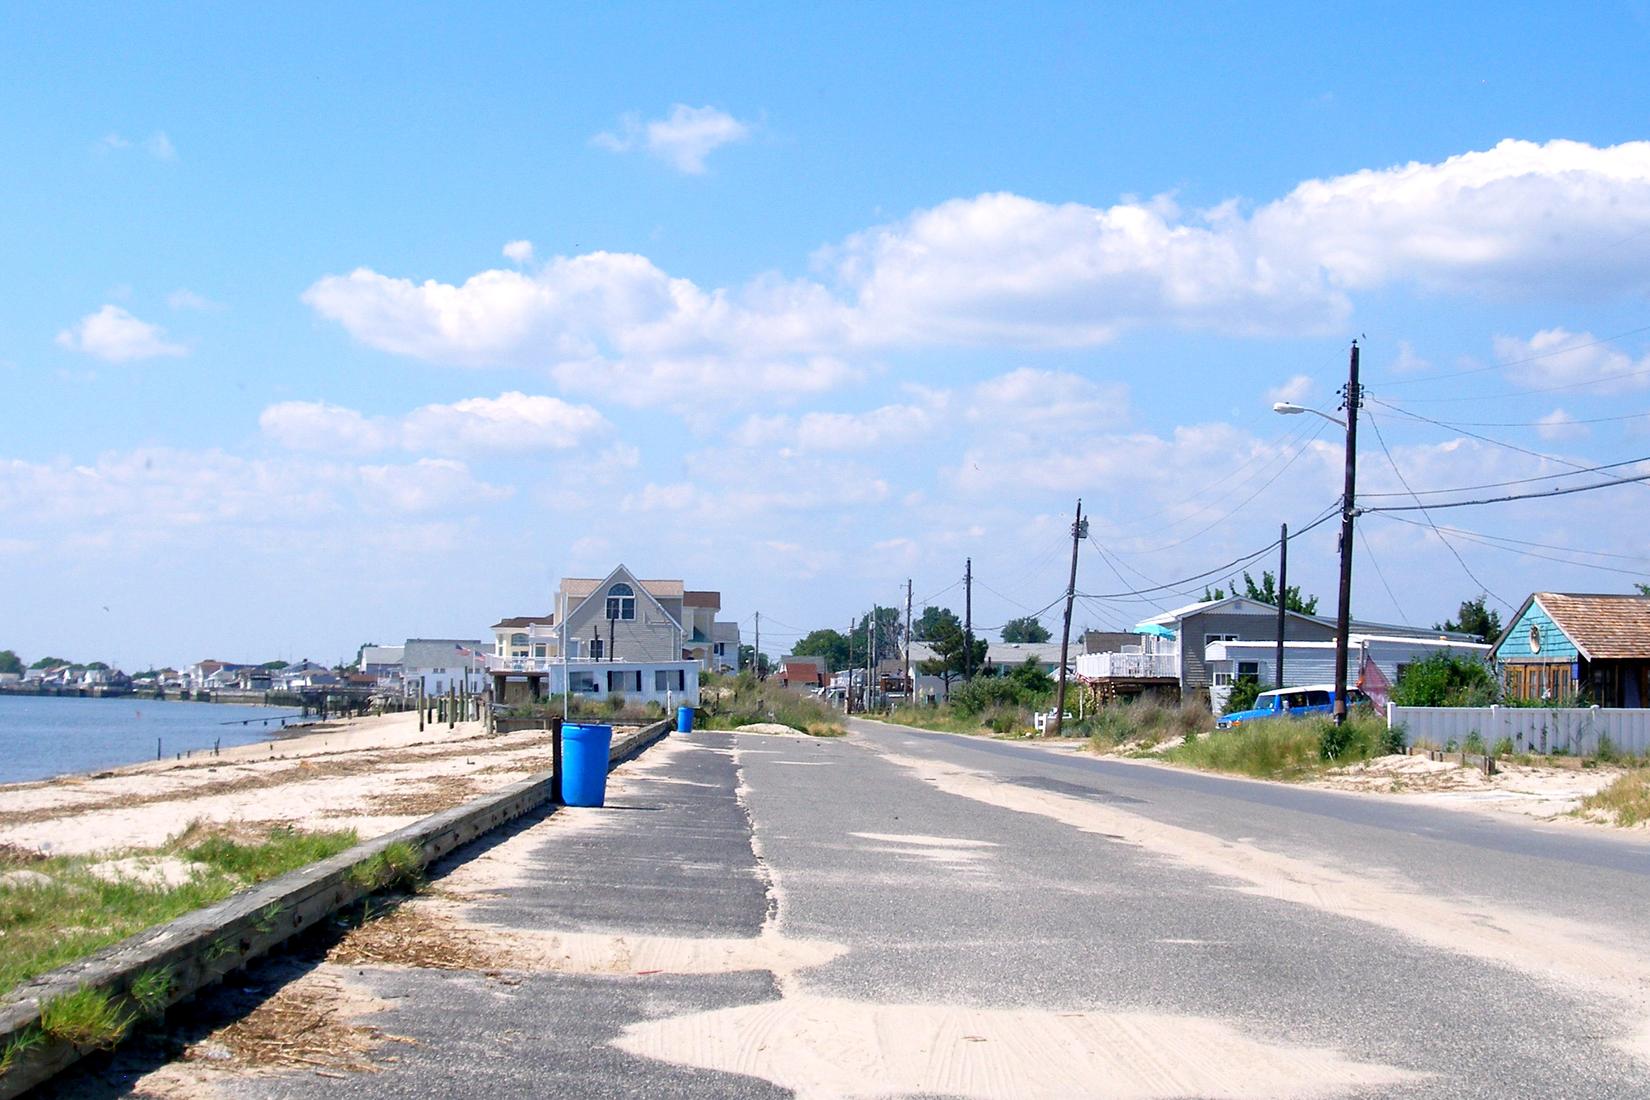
(71, 911)
(1626, 801)
(1286, 748)
(728, 702)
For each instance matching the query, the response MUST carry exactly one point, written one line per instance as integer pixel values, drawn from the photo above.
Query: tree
(1267, 592)
(360, 651)
(748, 654)
(49, 662)
(924, 626)
(1644, 589)
(1026, 629)
(890, 635)
(10, 662)
(1474, 619)
(950, 646)
(827, 643)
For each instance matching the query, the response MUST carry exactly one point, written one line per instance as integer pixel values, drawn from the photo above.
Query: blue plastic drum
(585, 749)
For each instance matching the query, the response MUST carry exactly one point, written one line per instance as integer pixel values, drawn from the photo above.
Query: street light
(1351, 401)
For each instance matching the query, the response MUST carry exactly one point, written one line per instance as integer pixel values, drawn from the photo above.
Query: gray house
(1174, 646)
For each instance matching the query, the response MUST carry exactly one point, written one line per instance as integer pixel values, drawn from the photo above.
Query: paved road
(906, 913)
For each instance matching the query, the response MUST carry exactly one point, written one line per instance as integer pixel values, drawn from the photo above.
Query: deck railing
(1129, 666)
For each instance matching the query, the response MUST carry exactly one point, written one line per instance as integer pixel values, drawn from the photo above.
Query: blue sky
(323, 327)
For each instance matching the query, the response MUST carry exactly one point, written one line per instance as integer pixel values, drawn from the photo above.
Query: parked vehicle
(1292, 702)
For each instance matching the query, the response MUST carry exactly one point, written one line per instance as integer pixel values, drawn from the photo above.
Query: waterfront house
(382, 663)
(725, 647)
(1587, 647)
(619, 635)
(443, 664)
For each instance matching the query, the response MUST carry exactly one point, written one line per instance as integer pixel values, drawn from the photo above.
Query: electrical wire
(1485, 540)
(1462, 562)
(1235, 563)
(1516, 481)
(1525, 542)
(1502, 500)
(1098, 549)
(1517, 362)
(1370, 554)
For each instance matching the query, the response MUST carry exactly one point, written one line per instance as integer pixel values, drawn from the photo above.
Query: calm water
(45, 736)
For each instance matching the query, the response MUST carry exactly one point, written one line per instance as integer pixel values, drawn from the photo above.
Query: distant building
(1564, 646)
(443, 664)
(801, 672)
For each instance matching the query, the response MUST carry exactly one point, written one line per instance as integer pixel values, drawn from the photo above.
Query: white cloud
(1294, 391)
(511, 422)
(114, 335)
(520, 252)
(157, 144)
(186, 299)
(682, 139)
(1005, 270)
(1559, 424)
(1557, 357)
(1407, 361)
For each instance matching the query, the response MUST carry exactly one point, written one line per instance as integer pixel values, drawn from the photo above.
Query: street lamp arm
(1289, 408)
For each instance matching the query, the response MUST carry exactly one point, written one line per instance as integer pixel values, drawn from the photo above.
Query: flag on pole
(1373, 682)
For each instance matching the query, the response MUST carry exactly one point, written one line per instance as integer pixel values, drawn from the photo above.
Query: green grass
(77, 913)
(87, 1018)
(1626, 801)
(729, 702)
(1286, 748)
(1144, 722)
(399, 865)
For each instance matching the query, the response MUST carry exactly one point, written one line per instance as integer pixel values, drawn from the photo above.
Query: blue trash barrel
(684, 719)
(585, 748)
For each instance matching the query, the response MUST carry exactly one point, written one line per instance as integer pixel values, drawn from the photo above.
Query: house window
(595, 649)
(621, 602)
(538, 651)
(1207, 638)
(584, 683)
(624, 680)
(661, 680)
(1251, 669)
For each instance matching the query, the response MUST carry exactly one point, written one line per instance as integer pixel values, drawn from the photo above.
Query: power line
(1517, 362)
(1236, 563)
(1370, 554)
(1525, 542)
(1489, 541)
(1515, 481)
(1516, 496)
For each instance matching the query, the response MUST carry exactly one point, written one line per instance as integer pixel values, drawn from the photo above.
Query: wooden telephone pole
(1079, 531)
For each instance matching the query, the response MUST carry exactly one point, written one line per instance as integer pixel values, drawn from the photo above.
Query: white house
(443, 664)
(617, 635)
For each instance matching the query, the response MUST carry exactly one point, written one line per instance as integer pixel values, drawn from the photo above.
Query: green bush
(1474, 744)
(1503, 747)
(1245, 690)
(1444, 680)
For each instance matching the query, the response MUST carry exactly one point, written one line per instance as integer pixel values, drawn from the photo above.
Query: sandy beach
(371, 774)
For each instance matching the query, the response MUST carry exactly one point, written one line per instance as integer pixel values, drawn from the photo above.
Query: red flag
(1373, 682)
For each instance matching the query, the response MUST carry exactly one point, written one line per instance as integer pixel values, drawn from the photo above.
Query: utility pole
(1353, 397)
(1079, 531)
(910, 682)
(756, 650)
(870, 654)
(1283, 595)
(848, 694)
(968, 620)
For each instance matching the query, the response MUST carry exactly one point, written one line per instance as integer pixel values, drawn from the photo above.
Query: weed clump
(87, 1018)
(1626, 801)
(1287, 748)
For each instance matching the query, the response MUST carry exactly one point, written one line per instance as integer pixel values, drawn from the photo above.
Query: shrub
(1245, 690)
(1474, 744)
(1503, 747)
(1443, 680)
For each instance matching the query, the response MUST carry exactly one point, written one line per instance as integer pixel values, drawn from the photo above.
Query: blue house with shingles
(1578, 648)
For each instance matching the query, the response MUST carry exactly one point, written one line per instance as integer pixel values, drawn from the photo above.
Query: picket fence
(1575, 730)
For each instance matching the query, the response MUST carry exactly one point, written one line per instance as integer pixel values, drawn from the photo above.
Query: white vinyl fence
(1573, 730)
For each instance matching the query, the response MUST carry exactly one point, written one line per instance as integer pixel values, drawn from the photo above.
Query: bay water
(43, 736)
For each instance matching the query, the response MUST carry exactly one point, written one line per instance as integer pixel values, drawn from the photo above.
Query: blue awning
(1154, 630)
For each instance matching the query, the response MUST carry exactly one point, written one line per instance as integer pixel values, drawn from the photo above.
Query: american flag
(1373, 682)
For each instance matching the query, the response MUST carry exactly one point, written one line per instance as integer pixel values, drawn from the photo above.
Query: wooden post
(452, 706)
(421, 704)
(553, 724)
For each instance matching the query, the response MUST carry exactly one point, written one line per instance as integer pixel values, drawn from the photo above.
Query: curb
(200, 948)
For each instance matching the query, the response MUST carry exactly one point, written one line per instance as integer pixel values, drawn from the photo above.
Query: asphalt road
(994, 919)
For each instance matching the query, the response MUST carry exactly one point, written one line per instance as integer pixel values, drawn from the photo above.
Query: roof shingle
(1603, 626)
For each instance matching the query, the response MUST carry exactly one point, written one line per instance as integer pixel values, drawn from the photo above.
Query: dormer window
(621, 602)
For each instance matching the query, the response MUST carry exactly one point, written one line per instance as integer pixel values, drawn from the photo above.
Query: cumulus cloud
(520, 252)
(1005, 270)
(511, 422)
(1559, 424)
(186, 299)
(1294, 391)
(682, 139)
(114, 335)
(1558, 357)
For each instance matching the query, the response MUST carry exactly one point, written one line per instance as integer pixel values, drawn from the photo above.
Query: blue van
(1294, 702)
